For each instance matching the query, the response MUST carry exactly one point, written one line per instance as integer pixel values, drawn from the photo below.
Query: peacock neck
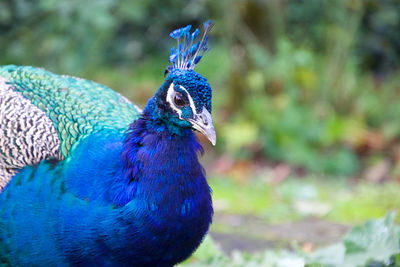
(161, 167)
(167, 193)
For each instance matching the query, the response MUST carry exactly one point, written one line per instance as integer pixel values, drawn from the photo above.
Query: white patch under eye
(170, 100)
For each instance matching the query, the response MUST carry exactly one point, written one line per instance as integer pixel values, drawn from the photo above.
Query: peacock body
(90, 179)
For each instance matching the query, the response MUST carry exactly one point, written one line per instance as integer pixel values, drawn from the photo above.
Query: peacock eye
(179, 101)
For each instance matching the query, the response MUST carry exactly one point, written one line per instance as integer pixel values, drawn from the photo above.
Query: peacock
(89, 179)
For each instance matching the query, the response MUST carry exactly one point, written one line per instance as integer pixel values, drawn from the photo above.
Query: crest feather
(189, 51)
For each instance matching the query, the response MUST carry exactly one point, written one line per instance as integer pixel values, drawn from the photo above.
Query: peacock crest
(190, 50)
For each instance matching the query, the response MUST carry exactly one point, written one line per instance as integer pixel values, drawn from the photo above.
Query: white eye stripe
(191, 103)
(170, 101)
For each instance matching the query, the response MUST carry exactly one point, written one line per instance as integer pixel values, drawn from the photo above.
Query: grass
(374, 243)
(336, 199)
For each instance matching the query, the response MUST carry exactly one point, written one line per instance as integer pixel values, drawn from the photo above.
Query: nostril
(203, 119)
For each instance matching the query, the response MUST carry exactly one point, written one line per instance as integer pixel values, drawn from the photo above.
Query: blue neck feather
(164, 187)
(156, 151)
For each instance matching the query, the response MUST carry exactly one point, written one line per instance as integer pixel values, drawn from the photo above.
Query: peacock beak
(204, 124)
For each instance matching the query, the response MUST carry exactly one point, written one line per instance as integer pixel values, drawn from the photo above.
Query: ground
(251, 234)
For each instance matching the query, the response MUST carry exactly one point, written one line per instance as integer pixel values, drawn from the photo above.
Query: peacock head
(184, 100)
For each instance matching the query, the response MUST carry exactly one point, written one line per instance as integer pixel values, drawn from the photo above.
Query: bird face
(187, 99)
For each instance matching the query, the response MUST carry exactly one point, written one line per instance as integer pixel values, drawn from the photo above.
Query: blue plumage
(120, 198)
(189, 52)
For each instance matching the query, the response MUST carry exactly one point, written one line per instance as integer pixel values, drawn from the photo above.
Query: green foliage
(376, 243)
(303, 98)
(75, 36)
(376, 240)
(378, 42)
(209, 254)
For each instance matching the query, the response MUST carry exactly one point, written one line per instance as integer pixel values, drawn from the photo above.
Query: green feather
(77, 107)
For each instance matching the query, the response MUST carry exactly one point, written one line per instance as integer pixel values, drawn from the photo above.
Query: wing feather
(42, 115)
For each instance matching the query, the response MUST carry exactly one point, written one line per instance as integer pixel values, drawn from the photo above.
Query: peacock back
(42, 115)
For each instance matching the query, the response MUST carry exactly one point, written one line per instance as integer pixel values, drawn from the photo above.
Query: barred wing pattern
(27, 135)
(42, 115)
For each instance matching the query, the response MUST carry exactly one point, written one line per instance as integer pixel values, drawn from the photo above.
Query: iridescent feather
(189, 51)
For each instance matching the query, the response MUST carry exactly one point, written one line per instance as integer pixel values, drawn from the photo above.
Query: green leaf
(329, 256)
(374, 242)
(376, 239)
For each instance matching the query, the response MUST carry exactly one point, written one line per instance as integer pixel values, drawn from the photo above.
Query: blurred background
(305, 100)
